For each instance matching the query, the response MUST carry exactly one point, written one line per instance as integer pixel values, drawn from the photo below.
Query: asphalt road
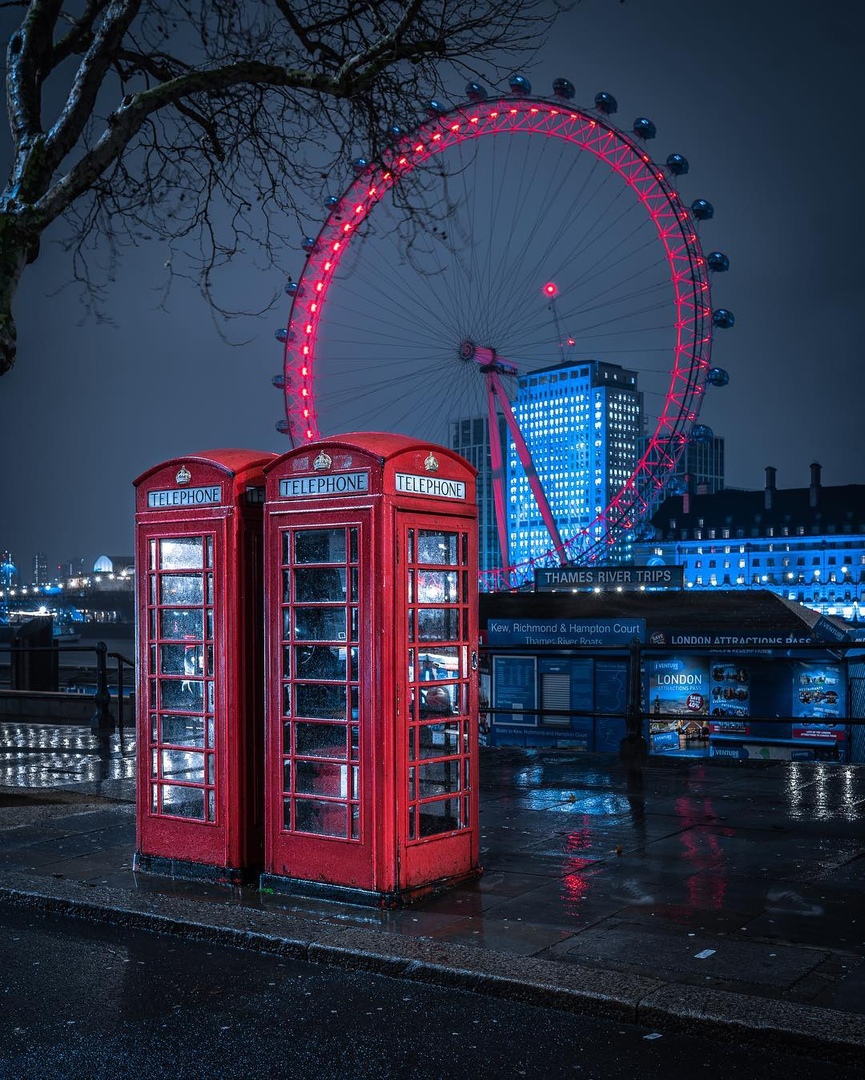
(81, 1000)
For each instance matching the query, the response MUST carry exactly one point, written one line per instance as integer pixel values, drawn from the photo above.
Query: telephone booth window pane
(286, 663)
(179, 624)
(355, 742)
(319, 546)
(320, 740)
(286, 700)
(181, 694)
(180, 801)
(440, 816)
(320, 778)
(352, 537)
(354, 623)
(438, 624)
(181, 589)
(436, 548)
(319, 624)
(181, 553)
(183, 765)
(320, 585)
(211, 805)
(209, 545)
(321, 699)
(320, 818)
(182, 730)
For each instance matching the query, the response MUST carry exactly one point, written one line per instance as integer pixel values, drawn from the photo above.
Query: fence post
(103, 719)
(632, 748)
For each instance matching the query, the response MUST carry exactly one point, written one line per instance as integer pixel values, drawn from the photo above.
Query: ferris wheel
(508, 236)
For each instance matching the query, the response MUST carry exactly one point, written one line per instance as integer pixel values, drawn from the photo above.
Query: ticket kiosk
(371, 669)
(198, 565)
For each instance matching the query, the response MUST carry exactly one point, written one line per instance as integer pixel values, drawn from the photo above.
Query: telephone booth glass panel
(320, 660)
(181, 677)
(439, 776)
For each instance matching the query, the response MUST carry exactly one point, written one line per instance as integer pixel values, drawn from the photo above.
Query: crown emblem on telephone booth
(183, 475)
(323, 461)
(431, 463)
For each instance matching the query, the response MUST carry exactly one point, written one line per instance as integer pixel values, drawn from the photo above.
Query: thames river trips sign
(626, 578)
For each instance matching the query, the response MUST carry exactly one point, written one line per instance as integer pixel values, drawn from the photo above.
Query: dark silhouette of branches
(213, 125)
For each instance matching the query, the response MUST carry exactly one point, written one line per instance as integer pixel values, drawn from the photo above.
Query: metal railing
(102, 720)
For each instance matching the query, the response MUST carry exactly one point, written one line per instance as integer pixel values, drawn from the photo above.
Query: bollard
(103, 719)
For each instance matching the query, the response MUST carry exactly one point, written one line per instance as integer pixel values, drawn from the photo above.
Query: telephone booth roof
(231, 461)
(383, 445)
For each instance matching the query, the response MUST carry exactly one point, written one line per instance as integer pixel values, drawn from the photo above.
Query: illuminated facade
(471, 439)
(805, 544)
(582, 422)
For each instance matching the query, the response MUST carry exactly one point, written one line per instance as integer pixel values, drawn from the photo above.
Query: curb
(664, 1006)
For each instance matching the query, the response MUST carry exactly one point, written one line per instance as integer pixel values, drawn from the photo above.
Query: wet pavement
(725, 897)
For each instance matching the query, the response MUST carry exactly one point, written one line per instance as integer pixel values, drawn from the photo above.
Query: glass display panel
(321, 699)
(320, 818)
(177, 624)
(319, 624)
(320, 584)
(320, 740)
(182, 765)
(438, 624)
(320, 778)
(436, 548)
(319, 546)
(182, 730)
(180, 589)
(181, 553)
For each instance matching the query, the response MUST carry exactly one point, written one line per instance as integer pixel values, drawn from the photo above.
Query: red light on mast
(551, 290)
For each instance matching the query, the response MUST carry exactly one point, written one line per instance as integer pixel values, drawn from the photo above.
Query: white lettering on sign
(299, 487)
(180, 497)
(411, 484)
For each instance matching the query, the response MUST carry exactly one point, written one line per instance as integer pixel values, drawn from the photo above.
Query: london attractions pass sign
(589, 578)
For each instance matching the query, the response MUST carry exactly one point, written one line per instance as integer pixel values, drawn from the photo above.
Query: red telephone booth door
(437, 790)
(320, 761)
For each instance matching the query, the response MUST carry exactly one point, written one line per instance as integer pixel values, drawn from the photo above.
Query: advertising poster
(819, 691)
(513, 690)
(731, 697)
(678, 701)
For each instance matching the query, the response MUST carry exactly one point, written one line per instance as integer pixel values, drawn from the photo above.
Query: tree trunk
(17, 248)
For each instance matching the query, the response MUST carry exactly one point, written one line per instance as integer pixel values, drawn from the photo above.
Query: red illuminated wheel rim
(560, 240)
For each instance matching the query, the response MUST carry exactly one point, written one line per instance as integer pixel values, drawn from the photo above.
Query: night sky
(764, 98)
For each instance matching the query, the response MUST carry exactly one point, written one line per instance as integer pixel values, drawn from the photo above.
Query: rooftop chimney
(814, 491)
(769, 493)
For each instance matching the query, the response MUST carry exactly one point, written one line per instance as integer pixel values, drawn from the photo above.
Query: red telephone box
(198, 559)
(371, 744)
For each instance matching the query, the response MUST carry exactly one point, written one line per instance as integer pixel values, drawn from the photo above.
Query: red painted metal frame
(676, 230)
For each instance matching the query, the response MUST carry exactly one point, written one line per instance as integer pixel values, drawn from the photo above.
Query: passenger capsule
(519, 84)
(644, 128)
(281, 334)
(293, 288)
(395, 131)
(331, 201)
(644, 531)
(606, 103)
(676, 485)
(701, 433)
(278, 381)
(717, 377)
(564, 89)
(702, 210)
(723, 319)
(677, 164)
(308, 243)
(283, 427)
(436, 108)
(360, 164)
(476, 92)
(717, 261)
